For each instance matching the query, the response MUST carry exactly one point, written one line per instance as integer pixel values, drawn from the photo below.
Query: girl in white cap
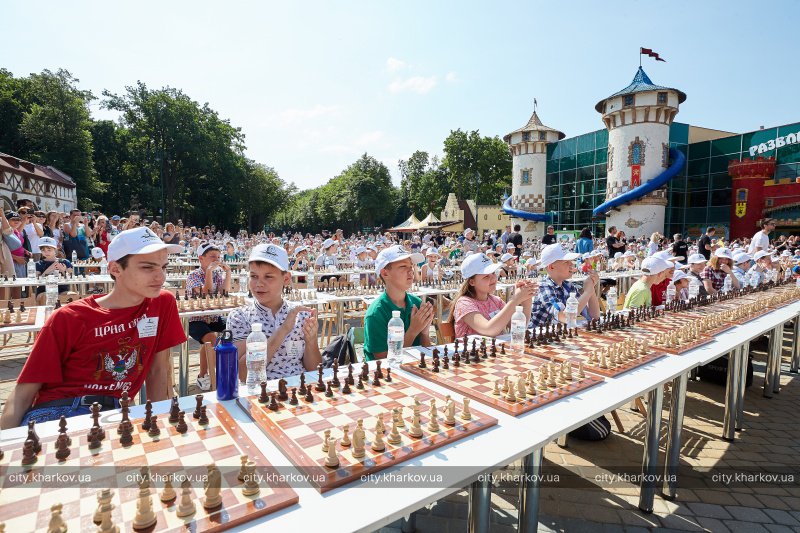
(475, 309)
(431, 270)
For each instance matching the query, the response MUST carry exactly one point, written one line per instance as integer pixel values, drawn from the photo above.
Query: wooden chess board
(25, 505)
(209, 304)
(26, 318)
(648, 330)
(578, 350)
(477, 380)
(298, 430)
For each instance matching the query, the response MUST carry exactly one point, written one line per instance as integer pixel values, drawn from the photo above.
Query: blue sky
(315, 84)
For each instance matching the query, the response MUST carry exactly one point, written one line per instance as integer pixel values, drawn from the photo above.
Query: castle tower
(748, 182)
(638, 119)
(528, 146)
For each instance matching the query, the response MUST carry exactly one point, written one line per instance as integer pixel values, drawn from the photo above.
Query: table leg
(795, 346)
(183, 362)
(731, 394)
(647, 492)
(743, 354)
(340, 318)
(776, 359)
(408, 524)
(528, 521)
(676, 406)
(439, 304)
(480, 498)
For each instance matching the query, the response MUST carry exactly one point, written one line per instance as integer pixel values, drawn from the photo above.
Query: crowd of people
(95, 348)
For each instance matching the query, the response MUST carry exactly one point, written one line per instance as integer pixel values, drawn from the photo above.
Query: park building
(644, 171)
(47, 187)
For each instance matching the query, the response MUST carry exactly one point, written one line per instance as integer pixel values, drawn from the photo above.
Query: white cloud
(451, 77)
(364, 142)
(416, 84)
(393, 64)
(295, 115)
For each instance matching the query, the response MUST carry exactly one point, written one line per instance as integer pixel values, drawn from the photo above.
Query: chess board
(298, 430)
(27, 318)
(651, 328)
(477, 380)
(222, 442)
(209, 304)
(577, 350)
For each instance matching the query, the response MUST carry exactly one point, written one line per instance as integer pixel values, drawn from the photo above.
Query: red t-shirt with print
(85, 349)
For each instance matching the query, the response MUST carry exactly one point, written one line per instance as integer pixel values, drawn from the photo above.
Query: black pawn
(62, 430)
(293, 400)
(346, 388)
(62, 447)
(349, 379)
(329, 391)
(181, 427)
(302, 389)
(378, 370)
(125, 437)
(28, 453)
(273, 403)
(388, 375)
(360, 385)
(154, 430)
(309, 397)
(435, 368)
(203, 416)
(376, 381)
(422, 363)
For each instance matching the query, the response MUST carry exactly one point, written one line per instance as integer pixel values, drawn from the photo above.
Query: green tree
(477, 167)
(424, 184)
(56, 130)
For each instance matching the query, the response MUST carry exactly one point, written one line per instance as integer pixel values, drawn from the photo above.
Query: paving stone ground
(770, 442)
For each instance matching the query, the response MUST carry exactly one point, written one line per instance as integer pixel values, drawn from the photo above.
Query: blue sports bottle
(227, 367)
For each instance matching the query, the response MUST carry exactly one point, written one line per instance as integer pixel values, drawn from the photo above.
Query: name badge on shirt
(147, 327)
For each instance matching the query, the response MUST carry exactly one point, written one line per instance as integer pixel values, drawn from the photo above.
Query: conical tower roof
(534, 124)
(641, 83)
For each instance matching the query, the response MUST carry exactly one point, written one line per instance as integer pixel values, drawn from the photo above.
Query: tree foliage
(477, 167)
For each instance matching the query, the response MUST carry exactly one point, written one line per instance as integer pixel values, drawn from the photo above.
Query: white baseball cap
(300, 249)
(432, 251)
(506, 256)
(207, 247)
(393, 254)
(138, 241)
(761, 253)
(739, 258)
(361, 250)
(510, 246)
(554, 252)
(328, 243)
(47, 241)
(678, 275)
(468, 230)
(723, 253)
(270, 253)
(655, 265)
(666, 255)
(697, 258)
(786, 253)
(478, 264)
(97, 252)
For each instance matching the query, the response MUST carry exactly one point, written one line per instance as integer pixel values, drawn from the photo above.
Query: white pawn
(106, 525)
(465, 413)
(186, 506)
(394, 435)
(103, 497)
(378, 445)
(145, 517)
(168, 494)
(56, 524)
(332, 459)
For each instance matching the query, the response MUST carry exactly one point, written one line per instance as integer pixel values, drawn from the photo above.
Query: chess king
(93, 349)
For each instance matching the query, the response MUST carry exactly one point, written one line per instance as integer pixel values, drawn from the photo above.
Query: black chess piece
(263, 397)
(349, 380)
(320, 383)
(22, 306)
(174, 409)
(435, 368)
(154, 430)
(378, 370)
(181, 427)
(329, 390)
(197, 409)
(309, 397)
(28, 454)
(360, 385)
(456, 359)
(273, 403)
(283, 393)
(388, 375)
(422, 363)
(376, 380)
(62, 447)
(293, 400)
(62, 429)
(32, 436)
(302, 389)
(203, 416)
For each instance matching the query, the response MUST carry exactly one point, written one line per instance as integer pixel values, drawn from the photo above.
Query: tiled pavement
(771, 438)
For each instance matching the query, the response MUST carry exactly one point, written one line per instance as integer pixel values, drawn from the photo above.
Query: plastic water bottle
(310, 277)
(103, 267)
(637, 265)
(753, 279)
(243, 278)
(727, 284)
(256, 358)
(31, 269)
(694, 288)
(670, 292)
(611, 299)
(518, 327)
(51, 290)
(797, 283)
(227, 356)
(571, 311)
(74, 260)
(394, 337)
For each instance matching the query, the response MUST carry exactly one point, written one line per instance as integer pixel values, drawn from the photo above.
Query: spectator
(515, 239)
(550, 236)
(76, 235)
(101, 236)
(585, 242)
(719, 266)
(704, 244)
(679, 247)
(760, 240)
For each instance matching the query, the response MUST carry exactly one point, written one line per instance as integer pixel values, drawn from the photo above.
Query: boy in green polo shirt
(639, 295)
(396, 267)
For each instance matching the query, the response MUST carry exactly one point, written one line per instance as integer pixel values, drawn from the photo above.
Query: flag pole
(640, 57)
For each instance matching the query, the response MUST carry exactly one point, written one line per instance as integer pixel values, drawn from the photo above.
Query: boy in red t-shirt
(94, 349)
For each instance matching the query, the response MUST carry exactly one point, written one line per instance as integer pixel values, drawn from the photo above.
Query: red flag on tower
(650, 53)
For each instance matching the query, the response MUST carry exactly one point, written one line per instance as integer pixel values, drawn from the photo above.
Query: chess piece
(103, 497)
(203, 416)
(62, 447)
(283, 394)
(325, 438)
(174, 409)
(37, 445)
(56, 524)
(521, 394)
(154, 430)
(415, 430)
(397, 415)
(378, 445)
(186, 506)
(145, 517)
(125, 436)
(28, 452)
(106, 525)
(62, 430)
(168, 494)
(496, 391)
(394, 435)
(359, 438)
(376, 379)
(251, 487)
(263, 397)
(450, 412)
(273, 403)
(182, 427)
(329, 390)
(360, 385)
(332, 459)
(465, 413)
(212, 486)
(388, 375)
(293, 400)
(196, 413)
(510, 396)
(96, 422)
(320, 383)
(345, 442)
(346, 388)
(309, 397)
(422, 363)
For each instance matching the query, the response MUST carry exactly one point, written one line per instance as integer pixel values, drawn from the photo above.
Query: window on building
(526, 177)
(526, 136)
(741, 195)
(769, 202)
(627, 100)
(662, 98)
(542, 135)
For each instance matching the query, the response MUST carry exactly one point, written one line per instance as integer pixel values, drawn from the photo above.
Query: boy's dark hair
(517, 227)
(123, 262)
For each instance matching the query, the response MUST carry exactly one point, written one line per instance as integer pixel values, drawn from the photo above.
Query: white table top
(512, 438)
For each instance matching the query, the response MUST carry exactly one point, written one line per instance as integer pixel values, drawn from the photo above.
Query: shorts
(46, 413)
(200, 328)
